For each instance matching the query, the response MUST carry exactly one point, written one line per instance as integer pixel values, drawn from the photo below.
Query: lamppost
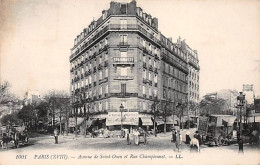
(241, 103)
(121, 110)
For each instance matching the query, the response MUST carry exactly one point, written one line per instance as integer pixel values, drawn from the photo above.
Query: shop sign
(128, 118)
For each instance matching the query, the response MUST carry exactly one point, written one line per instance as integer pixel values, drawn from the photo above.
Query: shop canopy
(159, 121)
(146, 121)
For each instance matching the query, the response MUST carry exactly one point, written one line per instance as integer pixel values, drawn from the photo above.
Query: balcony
(86, 74)
(150, 97)
(99, 67)
(155, 84)
(99, 96)
(123, 44)
(145, 50)
(123, 78)
(156, 57)
(123, 95)
(94, 70)
(86, 87)
(89, 71)
(156, 70)
(106, 94)
(113, 27)
(145, 81)
(106, 63)
(150, 83)
(94, 84)
(103, 80)
(144, 65)
(89, 86)
(123, 60)
(82, 76)
(105, 47)
(150, 68)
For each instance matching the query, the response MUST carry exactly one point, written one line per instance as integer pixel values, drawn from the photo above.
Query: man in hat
(56, 134)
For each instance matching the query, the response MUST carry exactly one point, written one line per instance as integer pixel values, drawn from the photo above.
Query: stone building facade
(122, 59)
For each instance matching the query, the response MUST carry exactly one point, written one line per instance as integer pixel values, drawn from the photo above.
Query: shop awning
(159, 121)
(146, 121)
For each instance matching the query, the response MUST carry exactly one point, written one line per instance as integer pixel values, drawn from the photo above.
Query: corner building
(122, 58)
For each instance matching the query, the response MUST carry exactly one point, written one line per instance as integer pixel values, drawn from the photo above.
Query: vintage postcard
(129, 82)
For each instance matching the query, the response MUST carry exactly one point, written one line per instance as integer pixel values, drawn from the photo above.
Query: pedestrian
(188, 139)
(198, 137)
(194, 145)
(56, 134)
(136, 137)
(178, 140)
(173, 136)
(128, 137)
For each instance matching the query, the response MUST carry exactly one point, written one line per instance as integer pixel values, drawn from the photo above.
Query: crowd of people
(193, 142)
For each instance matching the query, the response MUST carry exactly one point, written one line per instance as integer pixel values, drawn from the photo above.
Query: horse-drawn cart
(14, 135)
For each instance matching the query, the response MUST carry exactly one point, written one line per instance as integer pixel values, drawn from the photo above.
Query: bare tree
(155, 111)
(59, 107)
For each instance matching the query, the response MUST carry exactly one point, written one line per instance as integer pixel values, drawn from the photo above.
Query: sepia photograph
(129, 82)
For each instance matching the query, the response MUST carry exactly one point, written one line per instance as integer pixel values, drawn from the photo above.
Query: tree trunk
(154, 128)
(60, 125)
(164, 129)
(76, 124)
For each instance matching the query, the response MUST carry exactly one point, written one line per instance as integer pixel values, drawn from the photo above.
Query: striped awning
(146, 121)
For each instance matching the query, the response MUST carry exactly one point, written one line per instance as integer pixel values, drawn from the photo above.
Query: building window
(106, 105)
(123, 9)
(99, 106)
(149, 76)
(90, 79)
(106, 90)
(105, 41)
(123, 39)
(106, 72)
(155, 93)
(123, 23)
(100, 75)
(100, 91)
(155, 78)
(94, 77)
(123, 88)
(144, 106)
(144, 74)
(100, 59)
(150, 92)
(143, 43)
(164, 93)
(86, 82)
(143, 89)
(106, 56)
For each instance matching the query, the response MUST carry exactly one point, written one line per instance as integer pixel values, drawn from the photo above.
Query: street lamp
(240, 104)
(121, 110)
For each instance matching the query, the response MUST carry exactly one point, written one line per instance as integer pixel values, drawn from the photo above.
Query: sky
(36, 38)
